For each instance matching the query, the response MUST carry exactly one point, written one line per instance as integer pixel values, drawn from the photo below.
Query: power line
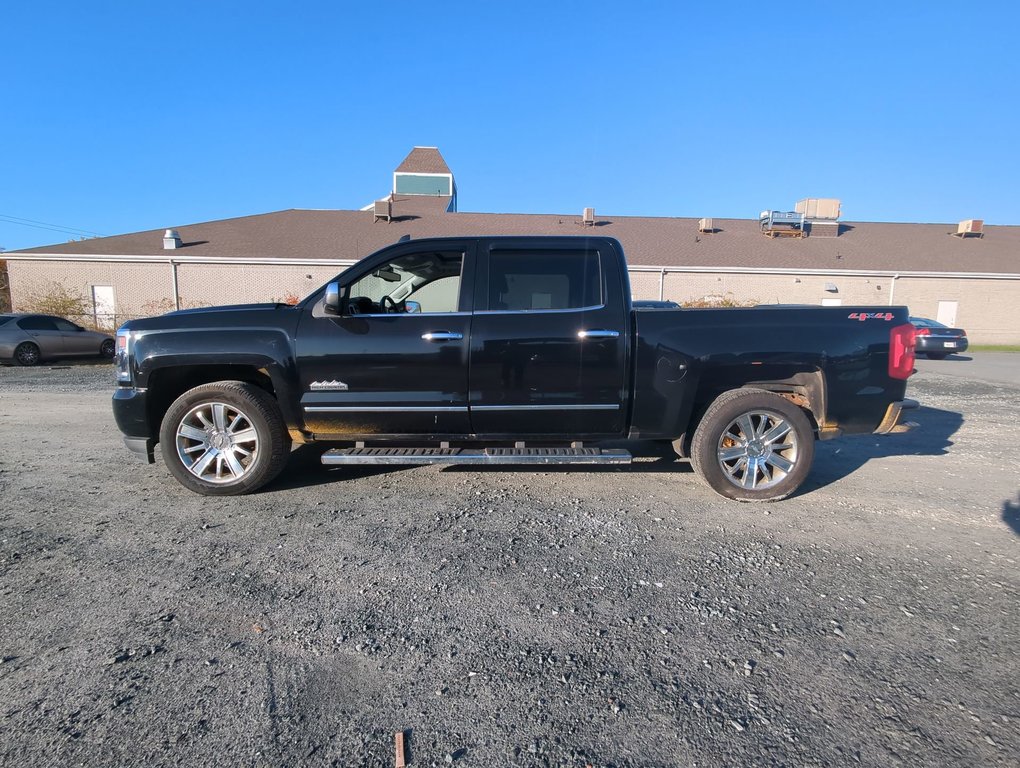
(45, 225)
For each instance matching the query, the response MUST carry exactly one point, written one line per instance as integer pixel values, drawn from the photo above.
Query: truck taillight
(122, 360)
(901, 351)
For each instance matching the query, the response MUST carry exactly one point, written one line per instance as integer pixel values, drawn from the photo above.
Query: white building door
(103, 307)
(947, 313)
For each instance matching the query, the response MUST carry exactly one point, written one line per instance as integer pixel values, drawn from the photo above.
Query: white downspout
(892, 288)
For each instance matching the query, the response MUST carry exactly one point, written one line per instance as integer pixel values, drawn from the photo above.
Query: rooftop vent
(706, 225)
(819, 208)
(588, 218)
(171, 240)
(968, 227)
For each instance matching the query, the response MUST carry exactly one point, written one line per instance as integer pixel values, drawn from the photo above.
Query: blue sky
(119, 117)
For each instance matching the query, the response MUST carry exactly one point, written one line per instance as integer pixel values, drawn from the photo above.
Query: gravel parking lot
(617, 617)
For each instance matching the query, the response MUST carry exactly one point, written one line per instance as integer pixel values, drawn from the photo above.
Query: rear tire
(753, 445)
(224, 439)
(106, 349)
(936, 355)
(27, 353)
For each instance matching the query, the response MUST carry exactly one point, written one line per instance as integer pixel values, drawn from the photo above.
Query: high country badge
(328, 386)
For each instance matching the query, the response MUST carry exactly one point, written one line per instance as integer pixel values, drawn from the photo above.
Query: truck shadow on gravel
(1011, 514)
(836, 459)
(305, 469)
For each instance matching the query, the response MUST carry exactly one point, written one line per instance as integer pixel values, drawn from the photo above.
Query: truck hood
(227, 316)
(222, 308)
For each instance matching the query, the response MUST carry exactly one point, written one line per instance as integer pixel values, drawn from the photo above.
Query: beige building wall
(210, 284)
(986, 308)
(777, 289)
(138, 288)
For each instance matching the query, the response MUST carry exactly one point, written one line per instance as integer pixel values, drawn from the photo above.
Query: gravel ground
(617, 617)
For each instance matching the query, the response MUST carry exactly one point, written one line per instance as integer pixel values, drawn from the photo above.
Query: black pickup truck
(497, 350)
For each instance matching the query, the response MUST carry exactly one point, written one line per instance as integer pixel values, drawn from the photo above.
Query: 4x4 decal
(862, 316)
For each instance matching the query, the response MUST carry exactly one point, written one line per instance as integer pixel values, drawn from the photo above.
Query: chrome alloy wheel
(217, 443)
(757, 450)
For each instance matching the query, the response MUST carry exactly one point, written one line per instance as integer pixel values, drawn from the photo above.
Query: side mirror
(412, 307)
(333, 301)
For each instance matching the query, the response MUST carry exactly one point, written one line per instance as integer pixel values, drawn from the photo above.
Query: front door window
(423, 283)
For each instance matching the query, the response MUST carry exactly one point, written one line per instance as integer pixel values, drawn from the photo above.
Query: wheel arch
(804, 388)
(167, 383)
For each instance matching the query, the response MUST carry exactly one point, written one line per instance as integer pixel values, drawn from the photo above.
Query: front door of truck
(549, 340)
(397, 362)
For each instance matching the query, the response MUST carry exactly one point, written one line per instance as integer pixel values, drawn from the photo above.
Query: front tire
(753, 445)
(27, 353)
(106, 348)
(224, 439)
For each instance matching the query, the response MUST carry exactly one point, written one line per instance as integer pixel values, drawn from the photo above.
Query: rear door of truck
(549, 339)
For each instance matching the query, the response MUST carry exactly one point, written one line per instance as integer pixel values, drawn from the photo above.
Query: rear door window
(535, 281)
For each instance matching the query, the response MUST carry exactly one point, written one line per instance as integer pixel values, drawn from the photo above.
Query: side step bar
(476, 456)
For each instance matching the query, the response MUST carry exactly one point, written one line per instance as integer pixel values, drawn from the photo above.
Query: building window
(423, 184)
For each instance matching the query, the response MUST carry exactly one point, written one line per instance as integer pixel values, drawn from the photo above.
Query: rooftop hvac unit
(706, 225)
(818, 207)
(971, 227)
(383, 209)
(588, 219)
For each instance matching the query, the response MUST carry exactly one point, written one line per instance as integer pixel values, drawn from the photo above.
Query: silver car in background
(28, 339)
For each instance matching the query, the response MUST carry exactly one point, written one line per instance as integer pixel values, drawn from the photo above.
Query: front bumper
(891, 423)
(131, 415)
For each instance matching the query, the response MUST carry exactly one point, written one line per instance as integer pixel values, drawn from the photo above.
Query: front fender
(262, 349)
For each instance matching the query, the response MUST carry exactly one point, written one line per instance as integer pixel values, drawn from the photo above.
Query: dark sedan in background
(28, 339)
(936, 340)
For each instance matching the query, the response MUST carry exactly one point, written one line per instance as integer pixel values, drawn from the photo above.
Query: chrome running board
(476, 456)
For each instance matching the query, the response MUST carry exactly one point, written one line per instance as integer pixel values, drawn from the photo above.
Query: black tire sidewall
(720, 414)
(263, 413)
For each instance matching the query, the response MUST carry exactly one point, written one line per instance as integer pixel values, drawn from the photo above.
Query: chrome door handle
(442, 336)
(597, 334)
